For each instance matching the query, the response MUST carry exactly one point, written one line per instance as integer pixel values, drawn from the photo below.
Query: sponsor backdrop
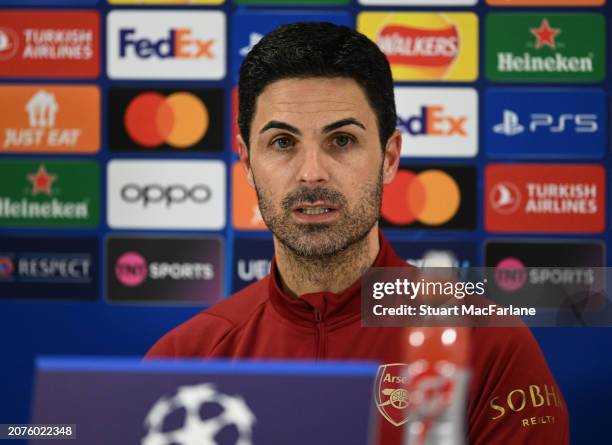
(123, 210)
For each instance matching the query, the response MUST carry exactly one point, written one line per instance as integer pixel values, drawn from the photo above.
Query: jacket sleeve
(514, 397)
(196, 338)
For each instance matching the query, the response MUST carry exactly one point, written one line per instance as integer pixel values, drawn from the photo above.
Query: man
(318, 142)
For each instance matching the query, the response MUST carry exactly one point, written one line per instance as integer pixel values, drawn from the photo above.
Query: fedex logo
(179, 43)
(433, 121)
(437, 122)
(554, 122)
(182, 45)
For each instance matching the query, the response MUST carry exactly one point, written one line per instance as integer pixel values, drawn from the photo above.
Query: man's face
(316, 163)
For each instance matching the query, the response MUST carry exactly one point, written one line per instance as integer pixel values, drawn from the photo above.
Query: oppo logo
(171, 194)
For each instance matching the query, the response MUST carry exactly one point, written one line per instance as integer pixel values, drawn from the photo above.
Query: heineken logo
(545, 35)
(49, 194)
(551, 47)
(41, 181)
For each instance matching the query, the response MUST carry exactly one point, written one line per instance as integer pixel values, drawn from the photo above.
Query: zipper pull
(318, 316)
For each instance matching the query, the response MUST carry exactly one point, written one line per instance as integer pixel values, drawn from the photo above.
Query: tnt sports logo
(131, 269)
(180, 119)
(510, 274)
(417, 197)
(166, 45)
(9, 43)
(505, 198)
(425, 46)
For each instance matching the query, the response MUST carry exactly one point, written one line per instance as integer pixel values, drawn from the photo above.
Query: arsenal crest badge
(391, 392)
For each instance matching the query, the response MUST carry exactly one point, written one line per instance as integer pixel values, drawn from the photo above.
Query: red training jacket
(513, 398)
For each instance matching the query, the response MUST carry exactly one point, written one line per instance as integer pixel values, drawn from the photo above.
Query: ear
(245, 161)
(392, 157)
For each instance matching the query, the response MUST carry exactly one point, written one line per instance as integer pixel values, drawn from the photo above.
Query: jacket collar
(327, 306)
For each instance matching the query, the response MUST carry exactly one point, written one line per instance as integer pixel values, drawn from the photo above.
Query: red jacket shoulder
(198, 336)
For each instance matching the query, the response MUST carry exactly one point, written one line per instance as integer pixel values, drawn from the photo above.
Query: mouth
(315, 212)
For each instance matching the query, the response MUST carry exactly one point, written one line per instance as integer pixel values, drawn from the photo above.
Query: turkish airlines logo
(406, 45)
(166, 44)
(49, 43)
(166, 194)
(545, 198)
(9, 43)
(180, 119)
(505, 198)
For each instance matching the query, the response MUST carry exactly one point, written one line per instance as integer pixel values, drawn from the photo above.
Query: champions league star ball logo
(199, 415)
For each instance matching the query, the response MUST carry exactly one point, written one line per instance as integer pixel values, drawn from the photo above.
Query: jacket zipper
(319, 334)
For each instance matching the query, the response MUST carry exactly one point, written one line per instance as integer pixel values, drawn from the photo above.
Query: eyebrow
(326, 129)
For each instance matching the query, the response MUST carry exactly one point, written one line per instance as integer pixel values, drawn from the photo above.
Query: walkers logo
(245, 209)
(545, 47)
(166, 45)
(164, 270)
(555, 123)
(248, 27)
(448, 253)
(546, 2)
(49, 44)
(166, 120)
(252, 259)
(437, 122)
(425, 46)
(431, 197)
(49, 194)
(59, 268)
(50, 119)
(165, 194)
(542, 198)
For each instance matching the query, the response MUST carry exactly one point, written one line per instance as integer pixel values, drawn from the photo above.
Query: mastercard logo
(180, 119)
(431, 197)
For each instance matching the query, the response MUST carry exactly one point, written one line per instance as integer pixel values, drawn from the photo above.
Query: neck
(299, 275)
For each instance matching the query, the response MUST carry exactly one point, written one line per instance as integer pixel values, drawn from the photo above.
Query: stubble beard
(322, 241)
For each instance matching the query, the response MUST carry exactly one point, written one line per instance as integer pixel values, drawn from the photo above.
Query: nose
(311, 165)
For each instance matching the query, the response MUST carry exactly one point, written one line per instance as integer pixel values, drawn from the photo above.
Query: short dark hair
(302, 50)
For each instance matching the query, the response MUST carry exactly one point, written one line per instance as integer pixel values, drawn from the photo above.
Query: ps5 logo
(580, 123)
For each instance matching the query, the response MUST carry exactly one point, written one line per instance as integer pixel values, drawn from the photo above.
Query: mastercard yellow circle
(191, 119)
(442, 200)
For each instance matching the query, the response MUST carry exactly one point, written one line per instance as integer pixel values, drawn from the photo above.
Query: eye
(282, 143)
(343, 140)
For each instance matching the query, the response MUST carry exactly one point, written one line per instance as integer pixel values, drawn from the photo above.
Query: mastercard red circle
(149, 119)
(179, 120)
